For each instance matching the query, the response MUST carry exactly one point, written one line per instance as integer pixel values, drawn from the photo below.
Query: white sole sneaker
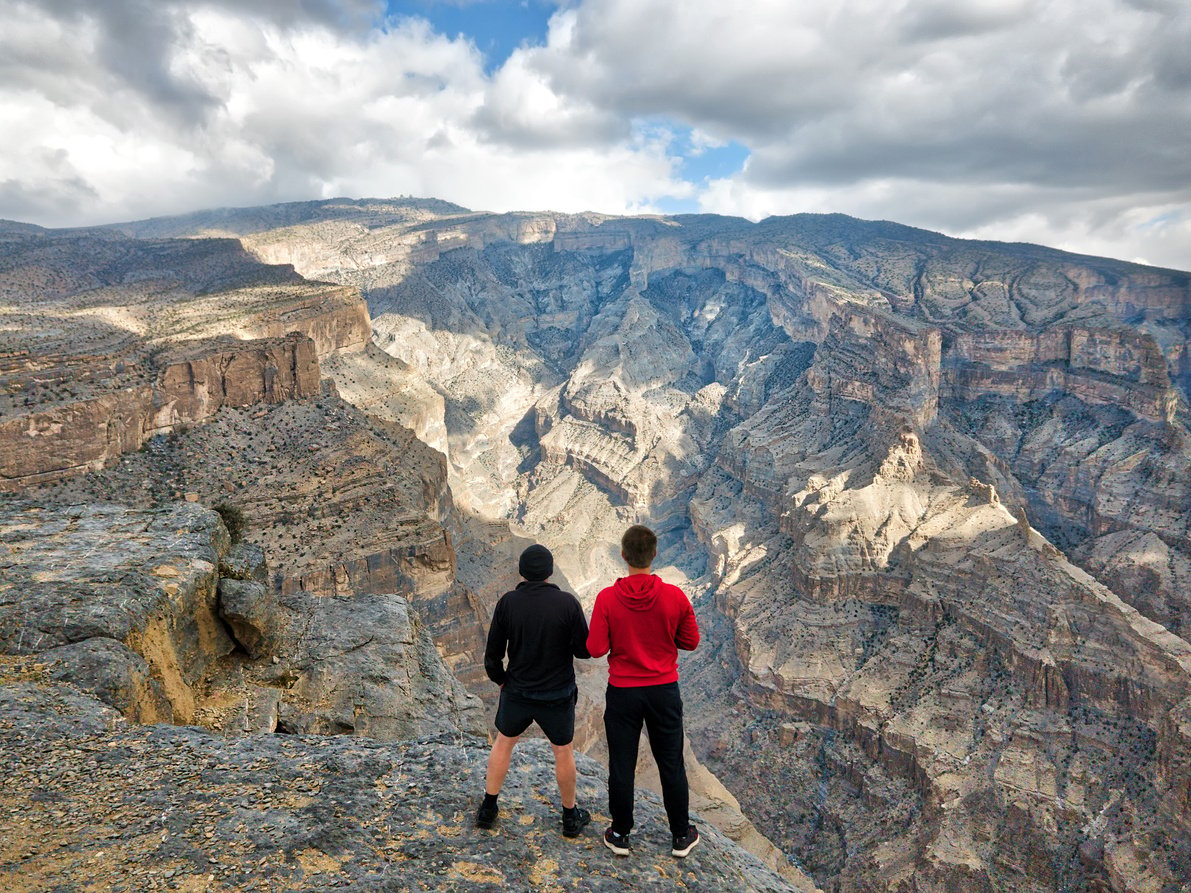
(689, 843)
(621, 849)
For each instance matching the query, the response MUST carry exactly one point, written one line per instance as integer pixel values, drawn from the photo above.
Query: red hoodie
(640, 623)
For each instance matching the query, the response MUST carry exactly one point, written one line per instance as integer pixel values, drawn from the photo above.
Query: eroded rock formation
(930, 496)
(874, 453)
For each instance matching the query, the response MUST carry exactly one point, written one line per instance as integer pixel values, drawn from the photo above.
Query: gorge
(930, 499)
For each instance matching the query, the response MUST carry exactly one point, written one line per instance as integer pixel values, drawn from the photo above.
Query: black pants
(659, 708)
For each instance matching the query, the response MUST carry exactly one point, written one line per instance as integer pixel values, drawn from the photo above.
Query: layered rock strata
(108, 341)
(188, 386)
(1016, 323)
(871, 452)
(341, 503)
(877, 436)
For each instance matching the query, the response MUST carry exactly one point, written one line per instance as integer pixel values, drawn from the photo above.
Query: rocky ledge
(112, 616)
(95, 802)
(157, 614)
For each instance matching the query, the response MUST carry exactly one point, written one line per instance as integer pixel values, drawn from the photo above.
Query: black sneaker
(685, 843)
(573, 825)
(486, 815)
(618, 843)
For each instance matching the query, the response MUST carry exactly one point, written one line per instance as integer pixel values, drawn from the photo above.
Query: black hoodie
(542, 628)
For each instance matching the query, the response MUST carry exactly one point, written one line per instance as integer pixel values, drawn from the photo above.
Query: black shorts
(555, 717)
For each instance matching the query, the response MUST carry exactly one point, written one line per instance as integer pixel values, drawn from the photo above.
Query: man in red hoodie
(640, 623)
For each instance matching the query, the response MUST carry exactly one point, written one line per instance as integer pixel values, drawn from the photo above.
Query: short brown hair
(639, 546)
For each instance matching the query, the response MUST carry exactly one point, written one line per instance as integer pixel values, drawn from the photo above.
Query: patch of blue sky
(496, 27)
(713, 162)
(1162, 221)
(698, 159)
(701, 158)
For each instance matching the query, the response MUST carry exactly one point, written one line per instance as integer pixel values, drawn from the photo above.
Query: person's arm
(598, 640)
(578, 631)
(686, 636)
(494, 652)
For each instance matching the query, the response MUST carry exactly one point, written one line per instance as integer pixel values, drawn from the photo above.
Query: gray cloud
(132, 47)
(1017, 91)
(135, 42)
(60, 192)
(943, 20)
(1019, 108)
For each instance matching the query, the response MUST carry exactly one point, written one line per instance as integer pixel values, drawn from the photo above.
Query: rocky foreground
(91, 802)
(110, 614)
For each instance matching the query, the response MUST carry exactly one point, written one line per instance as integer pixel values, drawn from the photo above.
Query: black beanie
(536, 563)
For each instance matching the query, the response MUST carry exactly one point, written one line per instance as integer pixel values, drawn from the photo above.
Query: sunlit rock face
(108, 341)
(930, 497)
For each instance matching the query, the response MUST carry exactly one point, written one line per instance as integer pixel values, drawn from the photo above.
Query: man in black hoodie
(542, 628)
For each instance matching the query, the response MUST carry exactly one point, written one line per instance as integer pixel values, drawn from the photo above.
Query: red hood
(638, 591)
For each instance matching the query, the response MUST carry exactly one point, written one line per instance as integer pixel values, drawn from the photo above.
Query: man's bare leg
(564, 772)
(498, 763)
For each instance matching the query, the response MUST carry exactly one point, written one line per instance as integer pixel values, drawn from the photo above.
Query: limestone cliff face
(955, 652)
(108, 341)
(189, 387)
(342, 504)
(1100, 367)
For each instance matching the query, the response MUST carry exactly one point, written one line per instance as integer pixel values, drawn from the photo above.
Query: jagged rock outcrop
(139, 608)
(122, 603)
(361, 664)
(342, 504)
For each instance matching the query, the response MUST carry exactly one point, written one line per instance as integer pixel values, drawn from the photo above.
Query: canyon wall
(187, 386)
(108, 342)
(929, 498)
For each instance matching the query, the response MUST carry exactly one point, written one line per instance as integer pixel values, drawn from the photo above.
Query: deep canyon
(264, 472)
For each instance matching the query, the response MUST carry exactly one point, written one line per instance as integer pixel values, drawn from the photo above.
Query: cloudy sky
(1064, 122)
